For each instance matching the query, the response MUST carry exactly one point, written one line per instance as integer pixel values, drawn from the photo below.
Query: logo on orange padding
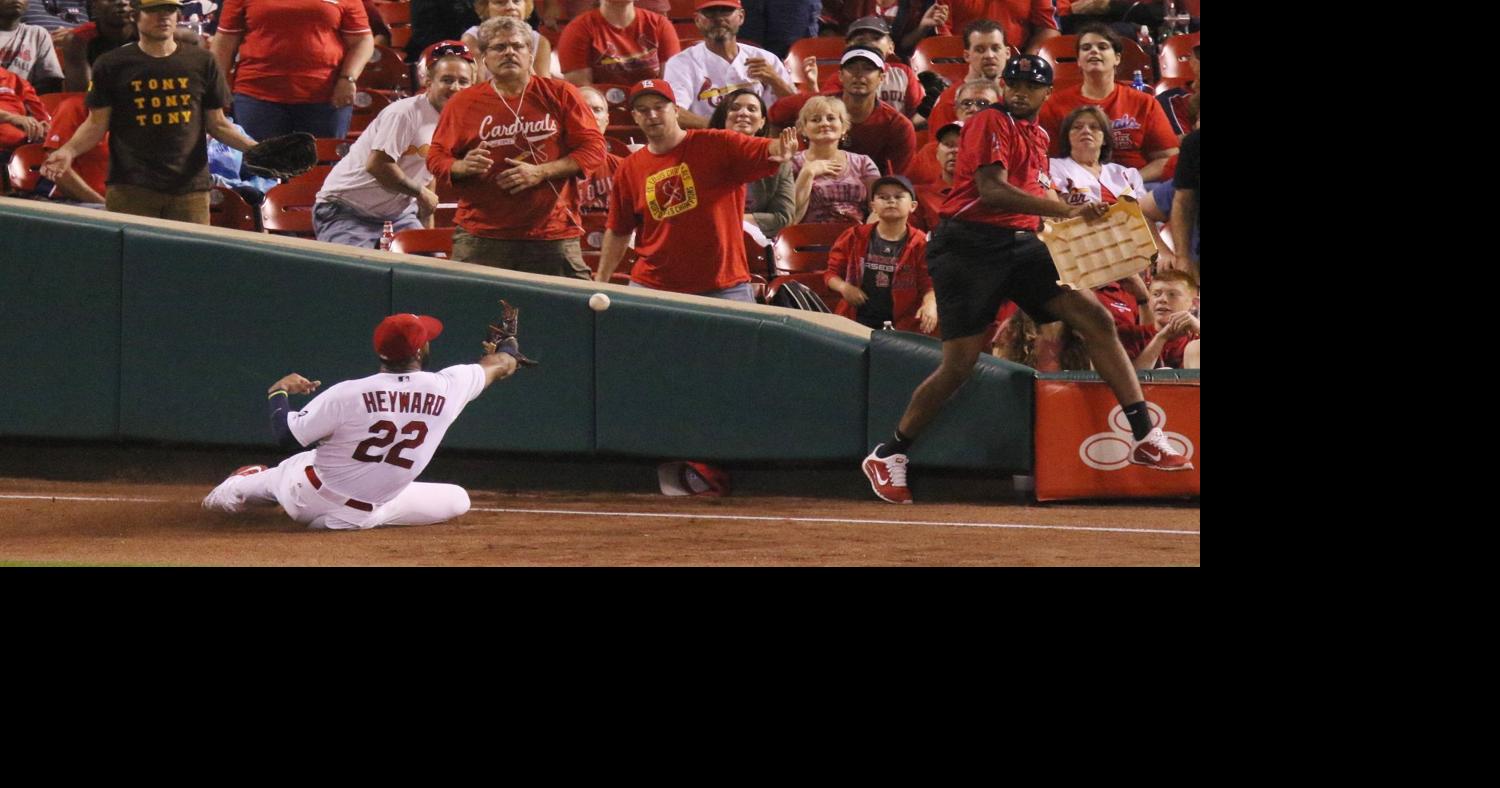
(1110, 451)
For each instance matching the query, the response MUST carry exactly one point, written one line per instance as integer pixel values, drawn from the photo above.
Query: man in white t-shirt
(27, 51)
(374, 437)
(703, 74)
(384, 176)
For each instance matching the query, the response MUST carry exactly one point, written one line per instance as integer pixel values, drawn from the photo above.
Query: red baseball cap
(399, 337)
(657, 86)
(702, 4)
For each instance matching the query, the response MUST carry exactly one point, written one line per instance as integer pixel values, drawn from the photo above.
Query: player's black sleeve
(277, 404)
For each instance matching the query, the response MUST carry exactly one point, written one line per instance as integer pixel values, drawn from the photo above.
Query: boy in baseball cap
(880, 269)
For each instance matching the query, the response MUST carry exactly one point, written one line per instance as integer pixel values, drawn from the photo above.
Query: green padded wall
(987, 424)
(60, 292)
(696, 382)
(211, 323)
(546, 408)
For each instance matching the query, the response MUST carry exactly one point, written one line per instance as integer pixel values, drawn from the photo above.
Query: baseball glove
(503, 336)
(283, 157)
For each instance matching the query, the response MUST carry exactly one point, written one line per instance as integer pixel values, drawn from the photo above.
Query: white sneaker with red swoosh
(887, 476)
(1153, 451)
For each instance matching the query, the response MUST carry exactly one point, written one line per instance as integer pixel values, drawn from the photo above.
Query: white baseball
(598, 302)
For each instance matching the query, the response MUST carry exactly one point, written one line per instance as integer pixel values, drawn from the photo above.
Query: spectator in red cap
(704, 73)
(683, 195)
(512, 148)
(617, 44)
(875, 128)
(880, 269)
(299, 61)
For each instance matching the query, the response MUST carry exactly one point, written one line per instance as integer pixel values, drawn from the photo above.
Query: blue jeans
(336, 223)
(777, 24)
(265, 119)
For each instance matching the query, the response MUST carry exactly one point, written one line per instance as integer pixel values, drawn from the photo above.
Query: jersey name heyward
(404, 402)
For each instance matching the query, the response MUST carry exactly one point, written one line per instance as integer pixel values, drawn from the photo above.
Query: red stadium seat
(226, 208)
(803, 248)
(682, 10)
(394, 13)
(687, 33)
(943, 54)
(367, 104)
(386, 70)
(330, 151)
(288, 209)
(814, 282)
(826, 49)
(23, 172)
(1174, 56)
(1062, 53)
(447, 203)
(315, 176)
(758, 257)
(437, 242)
(54, 100)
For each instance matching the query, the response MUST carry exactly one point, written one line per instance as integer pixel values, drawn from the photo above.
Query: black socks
(896, 445)
(1140, 419)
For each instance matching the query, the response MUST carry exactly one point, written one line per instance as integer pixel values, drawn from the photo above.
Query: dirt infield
(91, 505)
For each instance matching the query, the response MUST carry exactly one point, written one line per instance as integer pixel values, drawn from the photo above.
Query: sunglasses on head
(449, 50)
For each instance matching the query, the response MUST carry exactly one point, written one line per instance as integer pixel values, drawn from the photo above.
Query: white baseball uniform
(701, 79)
(378, 434)
(1076, 185)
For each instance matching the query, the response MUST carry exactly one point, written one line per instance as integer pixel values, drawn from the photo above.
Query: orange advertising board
(1083, 441)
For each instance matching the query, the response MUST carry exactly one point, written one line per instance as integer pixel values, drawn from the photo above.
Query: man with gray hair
(512, 148)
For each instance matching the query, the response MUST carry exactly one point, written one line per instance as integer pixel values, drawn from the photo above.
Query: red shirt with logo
(594, 190)
(1138, 125)
(93, 165)
(292, 49)
(549, 121)
(992, 136)
(1172, 355)
(618, 56)
(18, 98)
(687, 208)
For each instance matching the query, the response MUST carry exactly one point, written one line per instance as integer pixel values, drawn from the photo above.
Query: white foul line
(704, 516)
(847, 521)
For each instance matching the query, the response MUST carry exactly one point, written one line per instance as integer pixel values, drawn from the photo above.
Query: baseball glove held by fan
(283, 157)
(503, 336)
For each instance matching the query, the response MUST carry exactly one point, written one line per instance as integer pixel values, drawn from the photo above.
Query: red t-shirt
(593, 190)
(887, 137)
(1137, 123)
(18, 98)
(1136, 338)
(924, 166)
(687, 207)
(550, 121)
(292, 49)
(618, 56)
(1020, 18)
(92, 166)
(1123, 310)
(992, 136)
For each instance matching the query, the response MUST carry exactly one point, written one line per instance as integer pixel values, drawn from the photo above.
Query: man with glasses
(384, 176)
(512, 148)
(703, 74)
(985, 51)
(972, 97)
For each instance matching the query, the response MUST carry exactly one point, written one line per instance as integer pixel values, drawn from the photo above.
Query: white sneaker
(224, 498)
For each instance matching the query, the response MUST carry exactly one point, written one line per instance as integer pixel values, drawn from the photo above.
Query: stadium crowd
(756, 150)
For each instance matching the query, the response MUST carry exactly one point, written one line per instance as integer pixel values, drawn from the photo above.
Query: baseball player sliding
(377, 434)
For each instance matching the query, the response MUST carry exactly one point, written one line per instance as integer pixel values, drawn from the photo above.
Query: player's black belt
(317, 484)
(990, 231)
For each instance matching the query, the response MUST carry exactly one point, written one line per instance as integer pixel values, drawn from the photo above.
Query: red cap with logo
(657, 86)
(702, 4)
(399, 337)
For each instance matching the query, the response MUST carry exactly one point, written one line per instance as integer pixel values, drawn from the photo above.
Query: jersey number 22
(385, 432)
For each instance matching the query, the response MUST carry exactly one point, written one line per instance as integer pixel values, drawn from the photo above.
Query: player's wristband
(282, 392)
